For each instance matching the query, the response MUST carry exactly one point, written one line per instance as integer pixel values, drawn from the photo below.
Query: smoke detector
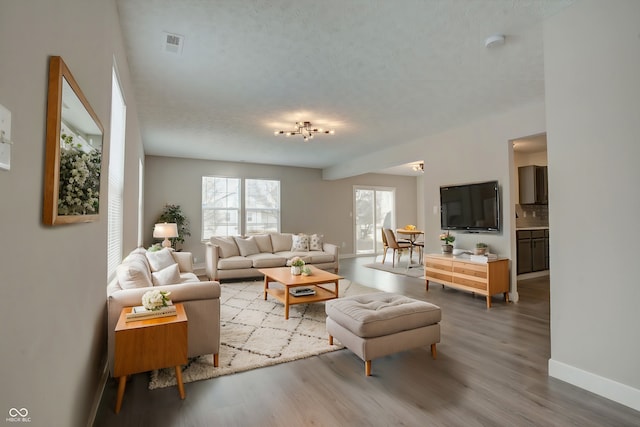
(172, 43)
(494, 40)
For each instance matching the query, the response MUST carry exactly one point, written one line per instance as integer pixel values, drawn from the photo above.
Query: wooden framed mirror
(73, 159)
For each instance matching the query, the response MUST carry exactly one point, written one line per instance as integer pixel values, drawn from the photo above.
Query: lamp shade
(165, 230)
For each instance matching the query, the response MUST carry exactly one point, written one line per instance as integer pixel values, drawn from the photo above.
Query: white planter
(295, 270)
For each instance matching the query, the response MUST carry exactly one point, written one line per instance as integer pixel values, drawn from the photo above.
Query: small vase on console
(447, 249)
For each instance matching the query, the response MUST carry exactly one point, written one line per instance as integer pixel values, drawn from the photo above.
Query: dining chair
(385, 246)
(392, 243)
(420, 245)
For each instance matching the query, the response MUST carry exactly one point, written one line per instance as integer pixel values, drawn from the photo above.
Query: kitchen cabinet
(533, 251)
(533, 185)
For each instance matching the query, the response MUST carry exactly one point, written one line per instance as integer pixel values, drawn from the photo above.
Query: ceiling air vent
(172, 43)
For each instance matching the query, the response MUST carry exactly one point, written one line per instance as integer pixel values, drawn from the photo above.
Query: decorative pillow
(132, 275)
(167, 276)
(228, 247)
(300, 243)
(316, 242)
(281, 242)
(160, 259)
(264, 243)
(247, 246)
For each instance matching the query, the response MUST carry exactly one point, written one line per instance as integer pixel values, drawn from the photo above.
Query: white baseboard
(613, 390)
(98, 397)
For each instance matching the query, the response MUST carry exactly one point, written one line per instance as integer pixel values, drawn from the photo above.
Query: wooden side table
(145, 345)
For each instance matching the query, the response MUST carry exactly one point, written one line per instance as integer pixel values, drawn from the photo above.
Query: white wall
(53, 279)
(592, 69)
(309, 203)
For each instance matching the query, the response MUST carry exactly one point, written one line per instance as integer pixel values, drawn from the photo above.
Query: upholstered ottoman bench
(379, 324)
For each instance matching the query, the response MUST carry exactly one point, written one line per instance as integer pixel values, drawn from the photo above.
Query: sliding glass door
(374, 209)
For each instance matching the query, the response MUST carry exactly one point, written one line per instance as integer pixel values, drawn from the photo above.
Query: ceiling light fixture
(418, 167)
(305, 129)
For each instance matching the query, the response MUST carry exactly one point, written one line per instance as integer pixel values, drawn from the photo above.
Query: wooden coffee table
(144, 345)
(283, 276)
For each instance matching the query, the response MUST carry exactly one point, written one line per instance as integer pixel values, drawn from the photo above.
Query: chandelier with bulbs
(305, 129)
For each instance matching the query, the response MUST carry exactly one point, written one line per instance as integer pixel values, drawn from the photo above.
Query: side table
(145, 345)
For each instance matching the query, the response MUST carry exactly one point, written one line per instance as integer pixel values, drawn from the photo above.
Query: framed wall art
(73, 159)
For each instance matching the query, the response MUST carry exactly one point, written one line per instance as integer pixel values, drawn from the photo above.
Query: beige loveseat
(171, 271)
(240, 257)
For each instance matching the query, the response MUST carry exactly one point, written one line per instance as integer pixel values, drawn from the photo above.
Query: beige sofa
(241, 257)
(171, 271)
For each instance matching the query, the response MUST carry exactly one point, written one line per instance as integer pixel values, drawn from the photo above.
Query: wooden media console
(486, 279)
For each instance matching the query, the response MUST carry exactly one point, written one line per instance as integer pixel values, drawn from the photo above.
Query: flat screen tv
(472, 207)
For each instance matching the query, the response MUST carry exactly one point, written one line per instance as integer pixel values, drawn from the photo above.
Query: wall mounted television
(472, 207)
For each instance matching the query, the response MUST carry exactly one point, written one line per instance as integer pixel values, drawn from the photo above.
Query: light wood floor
(491, 371)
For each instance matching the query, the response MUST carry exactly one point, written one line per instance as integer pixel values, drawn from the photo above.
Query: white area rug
(400, 268)
(254, 333)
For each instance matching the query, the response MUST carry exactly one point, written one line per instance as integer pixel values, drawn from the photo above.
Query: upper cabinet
(533, 185)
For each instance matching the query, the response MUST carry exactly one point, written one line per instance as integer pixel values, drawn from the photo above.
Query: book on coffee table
(299, 292)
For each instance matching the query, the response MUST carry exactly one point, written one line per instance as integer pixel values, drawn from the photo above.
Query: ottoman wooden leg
(433, 351)
(216, 360)
(330, 340)
(367, 368)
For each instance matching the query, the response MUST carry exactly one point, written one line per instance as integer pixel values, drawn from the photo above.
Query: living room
(54, 357)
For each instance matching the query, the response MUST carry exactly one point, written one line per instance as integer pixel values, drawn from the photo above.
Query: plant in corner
(173, 214)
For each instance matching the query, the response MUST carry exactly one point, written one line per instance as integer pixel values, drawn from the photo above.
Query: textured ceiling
(379, 72)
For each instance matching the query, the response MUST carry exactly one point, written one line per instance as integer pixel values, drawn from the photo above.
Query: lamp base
(166, 243)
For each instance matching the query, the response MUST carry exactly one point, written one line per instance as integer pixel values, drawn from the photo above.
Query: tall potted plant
(173, 214)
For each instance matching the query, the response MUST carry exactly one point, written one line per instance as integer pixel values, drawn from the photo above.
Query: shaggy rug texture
(254, 333)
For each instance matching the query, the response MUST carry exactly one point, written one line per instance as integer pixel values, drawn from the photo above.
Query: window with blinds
(116, 177)
(225, 212)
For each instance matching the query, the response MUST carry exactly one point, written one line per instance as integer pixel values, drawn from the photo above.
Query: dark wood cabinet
(533, 251)
(524, 254)
(533, 185)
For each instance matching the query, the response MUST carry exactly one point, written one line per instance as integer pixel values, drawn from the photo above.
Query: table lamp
(166, 231)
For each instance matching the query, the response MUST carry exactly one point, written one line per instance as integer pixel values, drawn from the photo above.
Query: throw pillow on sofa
(160, 260)
(300, 243)
(281, 242)
(264, 243)
(167, 276)
(133, 274)
(247, 246)
(316, 242)
(228, 247)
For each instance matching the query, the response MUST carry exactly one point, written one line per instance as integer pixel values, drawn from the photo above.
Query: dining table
(411, 235)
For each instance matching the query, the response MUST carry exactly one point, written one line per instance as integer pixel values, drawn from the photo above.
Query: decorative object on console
(166, 231)
(305, 129)
(447, 238)
(173, 214)
(480, 249)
